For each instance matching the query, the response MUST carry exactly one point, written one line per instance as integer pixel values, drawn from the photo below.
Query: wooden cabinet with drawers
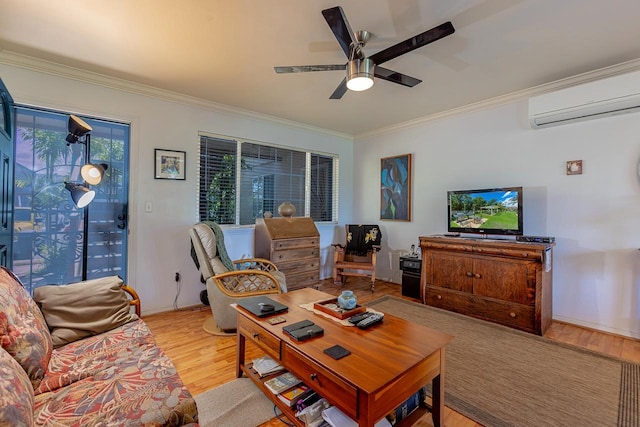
(293, 244)
(503, 281)
(325, 382)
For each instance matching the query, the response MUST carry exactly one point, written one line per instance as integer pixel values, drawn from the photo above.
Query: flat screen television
(486, 211)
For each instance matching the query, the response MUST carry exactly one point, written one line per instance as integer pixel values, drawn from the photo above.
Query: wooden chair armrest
(255, 264)
(135, 299)
(252, 282)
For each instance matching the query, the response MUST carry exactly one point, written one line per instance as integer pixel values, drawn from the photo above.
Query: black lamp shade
(77, 128)
(93, 173)
(80, 194)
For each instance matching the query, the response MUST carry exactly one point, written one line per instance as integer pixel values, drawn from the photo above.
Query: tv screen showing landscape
(487, 211)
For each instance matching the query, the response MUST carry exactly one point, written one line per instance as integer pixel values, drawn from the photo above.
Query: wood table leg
(437, 410)
(240, 354)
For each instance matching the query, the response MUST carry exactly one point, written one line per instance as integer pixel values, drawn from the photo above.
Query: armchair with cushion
(228, 281)
(358, 256)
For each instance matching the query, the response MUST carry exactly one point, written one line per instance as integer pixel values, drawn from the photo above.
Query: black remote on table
(356, 318)
(370, 321)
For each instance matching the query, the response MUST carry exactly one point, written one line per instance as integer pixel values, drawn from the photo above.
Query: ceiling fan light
(360, 74)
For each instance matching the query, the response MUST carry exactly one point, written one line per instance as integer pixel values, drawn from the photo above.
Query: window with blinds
(240, 181)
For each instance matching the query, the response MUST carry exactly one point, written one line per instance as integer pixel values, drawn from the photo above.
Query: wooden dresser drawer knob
(313, 377)
(256, 335)
(439, 296)
(512, 314)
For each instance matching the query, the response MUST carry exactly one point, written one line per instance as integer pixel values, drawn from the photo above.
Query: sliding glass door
(6, 174)
(49, 244)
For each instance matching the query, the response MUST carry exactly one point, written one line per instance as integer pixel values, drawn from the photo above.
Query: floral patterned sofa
(118, 377)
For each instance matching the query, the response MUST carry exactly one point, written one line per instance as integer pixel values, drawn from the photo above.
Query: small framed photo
(170, 164)
(574, 167)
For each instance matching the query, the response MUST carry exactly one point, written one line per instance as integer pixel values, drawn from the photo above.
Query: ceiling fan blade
(413, 43)
(340, 90)
(395, 77)
(340, 27)
(308, 68)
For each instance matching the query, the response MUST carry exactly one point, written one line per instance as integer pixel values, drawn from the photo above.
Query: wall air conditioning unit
(601, 98)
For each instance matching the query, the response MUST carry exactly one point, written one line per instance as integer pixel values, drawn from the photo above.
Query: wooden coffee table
(388, 363)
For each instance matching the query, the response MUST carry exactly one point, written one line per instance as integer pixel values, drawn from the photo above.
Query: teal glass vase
(347, 300)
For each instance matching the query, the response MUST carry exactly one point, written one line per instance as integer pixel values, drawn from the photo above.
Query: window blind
(240, 181)
(217, 183)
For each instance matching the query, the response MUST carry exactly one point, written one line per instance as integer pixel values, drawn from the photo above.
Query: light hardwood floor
(205, 361)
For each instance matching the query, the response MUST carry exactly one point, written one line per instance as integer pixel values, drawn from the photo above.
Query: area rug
(498, 376)
(238, 403)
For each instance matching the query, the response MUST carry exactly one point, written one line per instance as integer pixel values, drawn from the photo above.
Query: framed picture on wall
(395, 188)
(170, 164)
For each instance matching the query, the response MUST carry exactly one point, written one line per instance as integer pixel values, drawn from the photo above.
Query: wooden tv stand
(502, 281)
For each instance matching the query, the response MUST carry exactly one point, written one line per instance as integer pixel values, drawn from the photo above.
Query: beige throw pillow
(83, 309)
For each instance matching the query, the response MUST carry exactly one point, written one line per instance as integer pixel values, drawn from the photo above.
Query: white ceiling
(225, 50)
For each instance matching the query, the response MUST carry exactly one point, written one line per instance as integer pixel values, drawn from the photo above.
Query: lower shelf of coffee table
(284, 408)
(410, 420)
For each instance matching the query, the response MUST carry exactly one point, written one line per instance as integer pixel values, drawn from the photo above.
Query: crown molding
(589, 76)
(84, 76)
(114, 83)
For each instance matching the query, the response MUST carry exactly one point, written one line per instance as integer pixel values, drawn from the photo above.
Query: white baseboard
(598, 327)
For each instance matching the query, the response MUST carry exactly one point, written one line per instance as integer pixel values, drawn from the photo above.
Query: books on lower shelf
(336, 418)
(282, 382)
(265, 365)
(292, 395)
(409, 405)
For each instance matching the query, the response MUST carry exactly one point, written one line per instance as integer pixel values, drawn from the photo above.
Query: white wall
(158, 241)
(595, 216)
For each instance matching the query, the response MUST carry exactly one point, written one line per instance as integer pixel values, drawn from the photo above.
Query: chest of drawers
(502, 281)
(293, 244)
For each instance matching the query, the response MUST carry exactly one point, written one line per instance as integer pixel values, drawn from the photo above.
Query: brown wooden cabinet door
(452, 271)
(505, 279)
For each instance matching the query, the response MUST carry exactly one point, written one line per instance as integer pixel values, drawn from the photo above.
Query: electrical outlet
(177, 278)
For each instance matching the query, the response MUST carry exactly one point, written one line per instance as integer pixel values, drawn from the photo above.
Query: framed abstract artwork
(395, 188)
(170, 164)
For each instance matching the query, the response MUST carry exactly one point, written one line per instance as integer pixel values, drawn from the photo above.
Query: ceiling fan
(360, 68)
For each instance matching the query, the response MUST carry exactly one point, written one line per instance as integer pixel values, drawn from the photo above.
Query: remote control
(356, 318)
(369, 321)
